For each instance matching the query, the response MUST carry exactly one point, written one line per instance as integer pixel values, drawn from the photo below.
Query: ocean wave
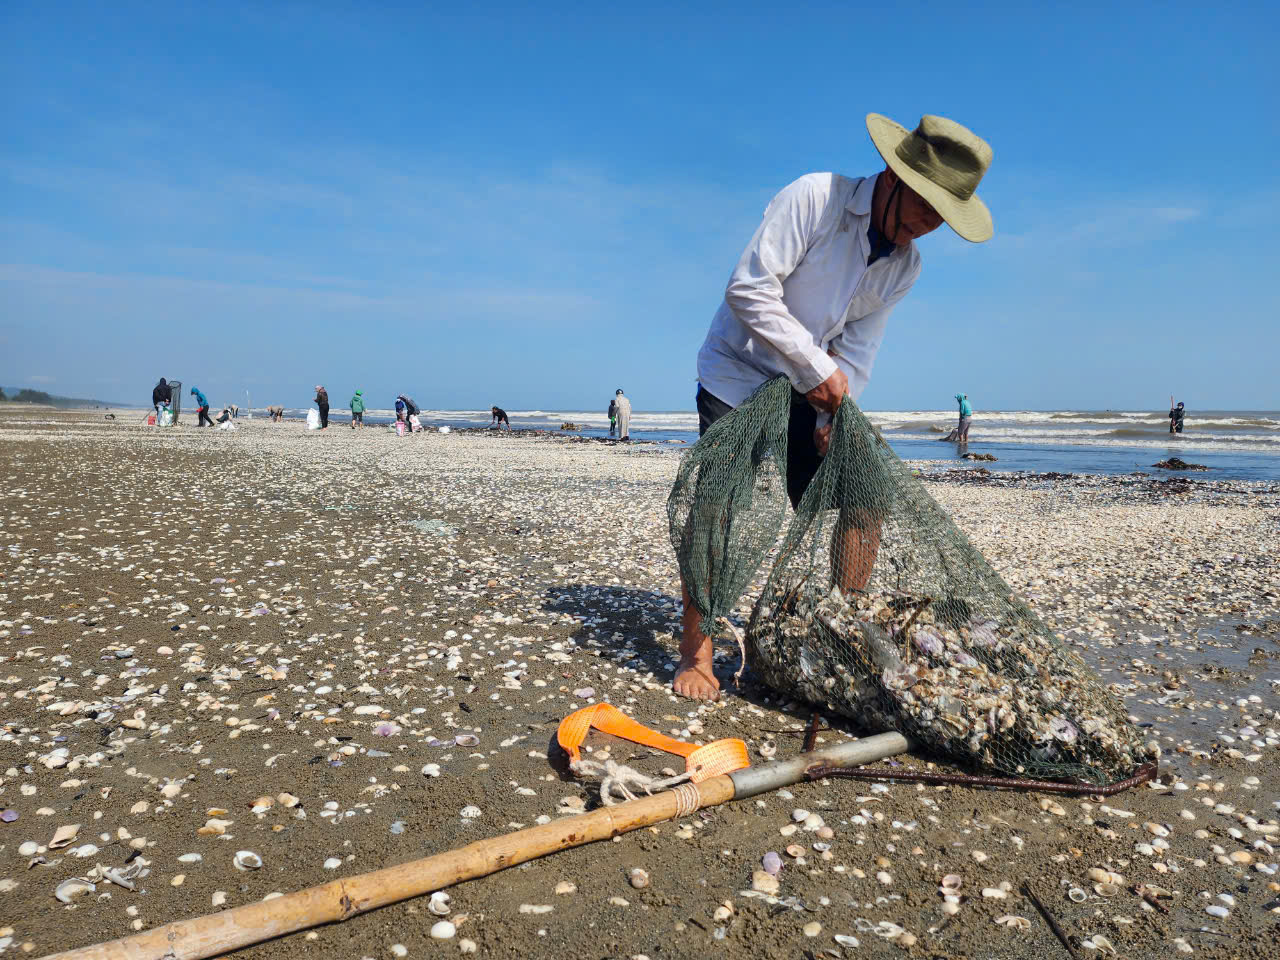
(1093, 415)
(929, 426)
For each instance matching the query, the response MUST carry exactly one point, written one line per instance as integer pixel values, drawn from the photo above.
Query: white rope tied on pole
(688, 799)
(619, 783)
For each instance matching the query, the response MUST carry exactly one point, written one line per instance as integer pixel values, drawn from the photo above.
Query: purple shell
(983, 633)
(772, 863)
(927, 641)
(8, 816)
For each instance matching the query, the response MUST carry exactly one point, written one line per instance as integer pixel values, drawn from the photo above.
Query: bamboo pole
(340, 900)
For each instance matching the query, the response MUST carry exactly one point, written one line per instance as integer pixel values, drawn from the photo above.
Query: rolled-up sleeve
(755, 288)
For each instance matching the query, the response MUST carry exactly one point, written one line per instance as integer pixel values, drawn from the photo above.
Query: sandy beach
(268, 640)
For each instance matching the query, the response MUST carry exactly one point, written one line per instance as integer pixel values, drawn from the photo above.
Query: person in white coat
(623, 409)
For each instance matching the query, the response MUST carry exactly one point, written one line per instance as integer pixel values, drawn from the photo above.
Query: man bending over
(810, 298)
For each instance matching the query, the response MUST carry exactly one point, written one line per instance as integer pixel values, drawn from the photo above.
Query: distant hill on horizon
(27, 395)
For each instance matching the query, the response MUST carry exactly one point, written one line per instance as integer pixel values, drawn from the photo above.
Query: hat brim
(969, 218)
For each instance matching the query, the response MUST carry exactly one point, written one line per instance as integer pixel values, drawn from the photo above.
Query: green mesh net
(878, 608)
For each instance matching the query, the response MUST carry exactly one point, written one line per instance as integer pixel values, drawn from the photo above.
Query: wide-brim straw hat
(943, 162)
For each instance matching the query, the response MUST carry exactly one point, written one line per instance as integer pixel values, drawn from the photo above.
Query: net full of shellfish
(878, 608)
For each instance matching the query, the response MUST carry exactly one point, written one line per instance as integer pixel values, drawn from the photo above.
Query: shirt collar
(860, 202)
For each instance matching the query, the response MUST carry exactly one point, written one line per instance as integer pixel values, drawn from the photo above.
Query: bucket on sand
(401, 428)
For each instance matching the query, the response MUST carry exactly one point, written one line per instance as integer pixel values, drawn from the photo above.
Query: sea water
(1235, 444)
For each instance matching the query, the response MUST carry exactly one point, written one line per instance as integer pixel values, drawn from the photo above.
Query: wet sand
(273, 633)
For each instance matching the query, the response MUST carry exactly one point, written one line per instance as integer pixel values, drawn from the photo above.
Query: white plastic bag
(313, 419)
(226, 425)
(166, 417)
(414, 423)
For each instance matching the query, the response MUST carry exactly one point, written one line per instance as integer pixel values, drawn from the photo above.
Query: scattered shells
(469, 812)
(438, 903)
(764, 882)
(772, 863)
(246, 860)
(443, 930)
(994, 893)
(1100, 943)
(640, 878)
(63, 836)
(68, 890)
(1013, 921)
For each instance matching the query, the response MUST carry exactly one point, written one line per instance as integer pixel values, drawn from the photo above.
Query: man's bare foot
(694, 679)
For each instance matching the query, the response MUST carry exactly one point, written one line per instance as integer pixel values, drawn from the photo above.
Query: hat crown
(947, 153)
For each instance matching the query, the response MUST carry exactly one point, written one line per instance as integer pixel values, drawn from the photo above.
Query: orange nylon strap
(711, 760)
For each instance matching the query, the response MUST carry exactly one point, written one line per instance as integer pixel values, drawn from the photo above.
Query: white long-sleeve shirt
(802, 299)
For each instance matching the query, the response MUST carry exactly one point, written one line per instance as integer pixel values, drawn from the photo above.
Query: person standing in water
(966, 415)
(1176, 415)
(624, 415)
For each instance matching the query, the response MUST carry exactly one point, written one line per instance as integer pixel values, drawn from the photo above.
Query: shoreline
(321, 594)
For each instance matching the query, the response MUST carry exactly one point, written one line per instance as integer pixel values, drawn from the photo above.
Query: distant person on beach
(276, 413)
(623, 409)
(1176, 415)
(499, 418)
(410, 408)
(202, 408)
(322, 401)
(966, 415)
(161, 393)
(357, 410)
(810, 299)
(613, 415)
(224, 416)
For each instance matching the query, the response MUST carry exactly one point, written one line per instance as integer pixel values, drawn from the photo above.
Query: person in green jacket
(966, 415)
(357, 410)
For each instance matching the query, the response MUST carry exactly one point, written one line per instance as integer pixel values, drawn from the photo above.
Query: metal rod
(770, 776)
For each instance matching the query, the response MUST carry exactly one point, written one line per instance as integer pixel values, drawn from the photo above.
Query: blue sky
(535, 204)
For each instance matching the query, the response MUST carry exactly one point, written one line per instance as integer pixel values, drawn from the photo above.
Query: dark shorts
(802, 454)
(357, 416)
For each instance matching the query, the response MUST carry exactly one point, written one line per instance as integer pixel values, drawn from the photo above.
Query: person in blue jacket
(202, 407)
(966, 414)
